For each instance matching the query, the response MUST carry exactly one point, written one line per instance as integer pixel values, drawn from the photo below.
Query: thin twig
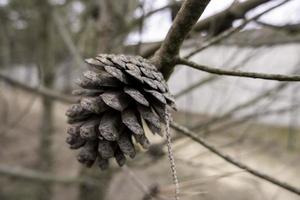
(188, 184)
(140, 28)
(138, 20)
(33, 175)
(136, 180)
(231, 31)
(67, 39)
(237, 11)
(248, 117)
(290, 28)
(236, 73)
(250, 102)
(234, 12)
(42, 91)
(231, 160)
(212, 78)
(185, 19)
(141, 185)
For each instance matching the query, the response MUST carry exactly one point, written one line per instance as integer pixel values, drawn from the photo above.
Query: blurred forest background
(43, 44)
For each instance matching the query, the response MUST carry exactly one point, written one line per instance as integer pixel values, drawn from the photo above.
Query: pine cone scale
(131, 121)
(110, 126)
(136, 95)
(115, 100)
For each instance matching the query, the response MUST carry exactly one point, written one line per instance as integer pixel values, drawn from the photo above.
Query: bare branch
(32, 175)
(197, 85)
(236, 73)
(231, 31)
(149, 192)
(241, 7)
(231, 160)
(226, 17)
(42, 91)
(244, 105)
(256, 115)
(62, 30)
(290, 28)
(137, 21)
(212, 77)
(187, 16)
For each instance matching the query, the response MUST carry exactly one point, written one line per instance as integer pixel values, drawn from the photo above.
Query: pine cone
(122, 97)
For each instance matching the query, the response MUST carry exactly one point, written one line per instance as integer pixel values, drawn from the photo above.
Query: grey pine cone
(121, 97)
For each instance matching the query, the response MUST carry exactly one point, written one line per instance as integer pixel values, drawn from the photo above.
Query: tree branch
(231, 160)
(250, 102)
(66, 37)
(241, 7)
(187, 16)
(137, 21)
(225, 18)
(197, 85)
(32, 175)
(290, 28)
(213, 77)
(233, 123)
(42, 91)
(231, 31)
(275, 77)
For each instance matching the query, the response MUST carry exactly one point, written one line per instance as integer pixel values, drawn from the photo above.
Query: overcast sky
(157, 26)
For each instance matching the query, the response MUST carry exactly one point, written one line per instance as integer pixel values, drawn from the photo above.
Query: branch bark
(41, 91)
(231, 31)
(225, 18)
(231, 160)
(236, 73)
(240, 9)
(137, 21)
(33, 175)
(65, 35)
(290, 28)
(187, 16)
(250, 102)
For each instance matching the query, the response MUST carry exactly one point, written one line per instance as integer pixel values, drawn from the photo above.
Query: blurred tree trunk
(5, 50)
(111, 24)
(106, 25)
(45, 61)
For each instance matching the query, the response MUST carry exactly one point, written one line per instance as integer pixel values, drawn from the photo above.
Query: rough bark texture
(187, 16)
(220, 22)
(227, 16)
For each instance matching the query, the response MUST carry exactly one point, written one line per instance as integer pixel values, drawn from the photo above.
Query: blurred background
(42, 48)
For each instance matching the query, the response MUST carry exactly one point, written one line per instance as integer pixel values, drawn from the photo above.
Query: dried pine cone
(121, 98)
